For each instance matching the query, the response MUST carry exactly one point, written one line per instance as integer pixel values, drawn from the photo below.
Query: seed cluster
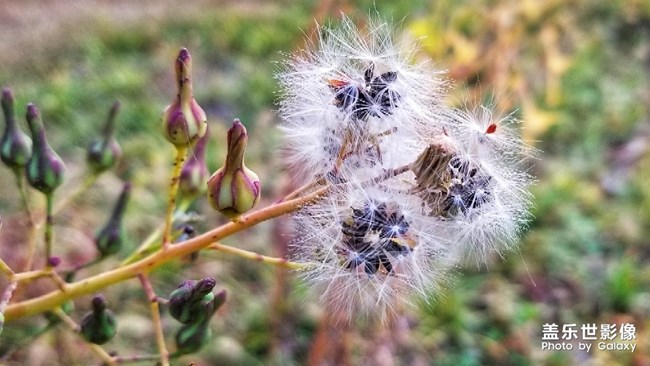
(373, 234)
(373, 97)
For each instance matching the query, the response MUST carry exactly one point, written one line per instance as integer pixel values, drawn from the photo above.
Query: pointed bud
(15, 145)
(45, 168)
(99, 325)
(195, 172)
(192, 337)
(188, 302)
(104, 152)
(234, 189)
(109, 239)
(184, 121)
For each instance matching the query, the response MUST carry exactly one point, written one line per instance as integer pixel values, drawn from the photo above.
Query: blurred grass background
(575, 74)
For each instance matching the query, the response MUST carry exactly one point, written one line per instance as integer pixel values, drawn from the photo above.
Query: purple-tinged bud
(104, 152)
(110, 238)
(195, 172)
(188, 303)
(53, 261)
(234, 189)
(45, 168)
(99, 325)
(15, 145)
(196, 333)
(184, 121)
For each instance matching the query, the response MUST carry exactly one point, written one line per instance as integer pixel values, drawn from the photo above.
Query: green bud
(234, 189)
(15, 145)
(194, 173)
(192, 337)
(45, 168)
(104, 152)
(184, 121)
(188, 302)
(109, 239)
(99, 325)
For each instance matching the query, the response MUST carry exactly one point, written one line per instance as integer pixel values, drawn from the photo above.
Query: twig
(49, 222)
(257, 257)
(155, 314)
(99, 351)
(95, 283)
(181, 154)
(4, 267)
(136, 358)
(87, 182)
(31, 242)
(305, 188)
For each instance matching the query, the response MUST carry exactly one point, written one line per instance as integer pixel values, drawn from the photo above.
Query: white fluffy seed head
(368, 251)
(355, 109)
(355, 85)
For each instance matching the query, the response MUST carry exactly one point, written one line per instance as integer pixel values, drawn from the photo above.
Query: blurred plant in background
(576, 74)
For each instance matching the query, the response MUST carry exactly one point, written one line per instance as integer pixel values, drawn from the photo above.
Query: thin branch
(281, 262)
(155, 315)
(136, 358)
(181, 154)
(305, 188)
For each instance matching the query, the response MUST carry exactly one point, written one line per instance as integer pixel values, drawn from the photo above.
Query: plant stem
(181, 154)
(87, 182)
(100, 352)
(305, 188)
(257, 257)
(155, 315)
(136, 358)
(154, 238)
(49, 221)
(95, 283)
(4, 267)
(31, 242)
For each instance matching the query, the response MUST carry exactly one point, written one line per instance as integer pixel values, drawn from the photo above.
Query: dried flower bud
(188, 302)
(109, 239)
(104, 152)
(45, 168)
(431, 168)
(99, 325)
(184, 121)
(15, 145)
(194, 173)
(234, 189)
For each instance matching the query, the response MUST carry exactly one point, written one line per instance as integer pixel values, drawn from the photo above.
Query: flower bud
(188, 302)
(109, 240)
(184, 121)
(15, 145)
(192, 337)
(104, 152)
(194, 173)
(45, 168)
(99, 325)
(234, 189)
